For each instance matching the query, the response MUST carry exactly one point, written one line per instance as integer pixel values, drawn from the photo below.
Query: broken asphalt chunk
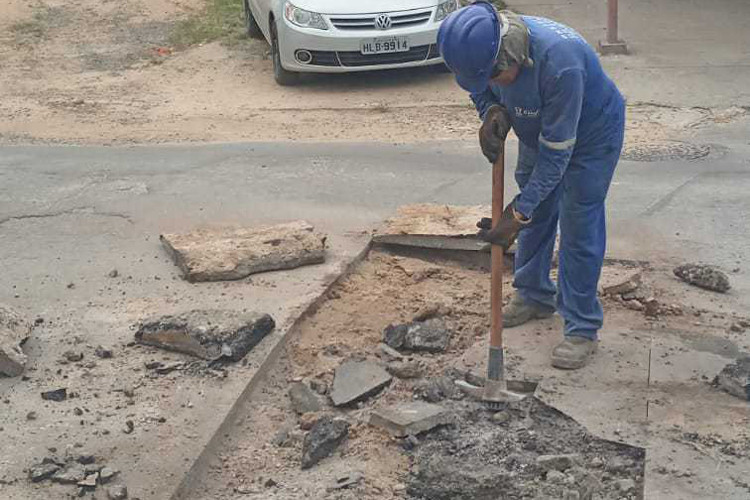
(706, 277)
(70, 474)
(57, 395)
(207, 333)
(357, 380)
(14, 331)
(428, 336)
(735, 378)
(410, 419)
(42, 471)
(325, 436)
(234, 253)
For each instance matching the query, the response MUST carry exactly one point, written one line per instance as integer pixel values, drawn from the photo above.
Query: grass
(221, 20)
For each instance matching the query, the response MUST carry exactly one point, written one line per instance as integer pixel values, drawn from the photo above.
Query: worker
(542, 79)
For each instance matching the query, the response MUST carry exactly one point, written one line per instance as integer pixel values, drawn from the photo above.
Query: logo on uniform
(525, 113)
(383, 22)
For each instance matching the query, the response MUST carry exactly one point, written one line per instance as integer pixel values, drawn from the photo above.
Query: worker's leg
(583, 237)
(536, 243)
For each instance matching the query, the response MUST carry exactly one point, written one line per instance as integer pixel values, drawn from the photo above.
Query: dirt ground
(93, 72)
(638, 354)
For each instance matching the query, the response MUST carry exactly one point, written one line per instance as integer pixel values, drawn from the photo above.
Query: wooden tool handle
(496, 260)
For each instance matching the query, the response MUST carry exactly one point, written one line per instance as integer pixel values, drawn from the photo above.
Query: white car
(337, 36)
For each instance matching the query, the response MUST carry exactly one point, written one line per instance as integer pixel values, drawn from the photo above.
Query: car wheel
(251, 25)
(282, 76)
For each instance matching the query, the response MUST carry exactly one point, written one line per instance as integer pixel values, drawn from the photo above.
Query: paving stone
(14, 331)
(303, 399)
(323, 439)
(234, 253)
(357, 380)
(207, 333)
(411, 418)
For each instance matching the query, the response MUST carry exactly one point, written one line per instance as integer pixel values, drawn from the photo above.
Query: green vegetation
(220, 20)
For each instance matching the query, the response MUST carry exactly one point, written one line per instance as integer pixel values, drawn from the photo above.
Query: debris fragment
(428, 311)
(405, 369)
(735, 378)
(129, 427)
(411, 418)
(14, 331)
(106, 474)
(357, 380)
(319, 386)
(73, 356)
(325, 436)
(70, 474)
(703, 276)
(429, 336)
(209, 334)
(117, 492)
(40, 472)
(438, 389)
(303, 399)
(389, 353)
(56, 395)
(103, 353)
(347, 481)
(230, 254)
(629, 285)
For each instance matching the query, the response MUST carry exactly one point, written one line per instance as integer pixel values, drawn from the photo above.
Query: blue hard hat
(469, 41)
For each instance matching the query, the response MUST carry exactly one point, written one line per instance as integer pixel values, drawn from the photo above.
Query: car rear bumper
(335, 51)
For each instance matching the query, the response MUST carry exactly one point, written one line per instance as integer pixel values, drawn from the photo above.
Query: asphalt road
(68, 213)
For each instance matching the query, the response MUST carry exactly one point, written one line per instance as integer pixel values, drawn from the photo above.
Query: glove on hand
(493, 131)
(507, 230)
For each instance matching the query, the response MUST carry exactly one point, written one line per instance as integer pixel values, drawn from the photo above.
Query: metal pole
(612, 21)
(613, 44)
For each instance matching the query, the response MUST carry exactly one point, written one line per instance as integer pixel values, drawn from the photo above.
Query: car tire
(251, 25)
(282, 76)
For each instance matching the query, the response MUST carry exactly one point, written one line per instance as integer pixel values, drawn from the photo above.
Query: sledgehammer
(496, 389)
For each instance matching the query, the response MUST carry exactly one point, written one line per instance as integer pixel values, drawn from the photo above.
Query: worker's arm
(483, 101)
(562, 98)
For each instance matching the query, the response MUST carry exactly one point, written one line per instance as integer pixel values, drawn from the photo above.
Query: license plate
(385, 45)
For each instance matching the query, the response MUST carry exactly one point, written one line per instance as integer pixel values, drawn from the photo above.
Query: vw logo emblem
(383, 22)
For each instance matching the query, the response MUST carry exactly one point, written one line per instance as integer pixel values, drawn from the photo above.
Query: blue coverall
(570, 121)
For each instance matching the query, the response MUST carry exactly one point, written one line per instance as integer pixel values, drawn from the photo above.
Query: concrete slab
(217, 254)
(410, 419)
(357, 380)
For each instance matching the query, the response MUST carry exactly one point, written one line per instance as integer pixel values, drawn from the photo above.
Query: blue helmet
(469, 41)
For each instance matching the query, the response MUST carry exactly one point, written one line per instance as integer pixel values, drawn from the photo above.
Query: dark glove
(506, 232)
(493, 131)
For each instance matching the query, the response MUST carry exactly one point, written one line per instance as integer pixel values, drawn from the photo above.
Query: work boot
(573, 353)
(519, 311)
